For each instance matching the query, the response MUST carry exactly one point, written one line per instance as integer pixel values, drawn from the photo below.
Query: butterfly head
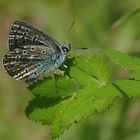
(66, 48)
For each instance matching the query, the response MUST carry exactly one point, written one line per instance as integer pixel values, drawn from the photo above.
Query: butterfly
(32, 52)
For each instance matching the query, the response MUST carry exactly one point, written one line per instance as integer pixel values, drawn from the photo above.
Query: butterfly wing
(28, 62)
(31, 52)
(24, 34)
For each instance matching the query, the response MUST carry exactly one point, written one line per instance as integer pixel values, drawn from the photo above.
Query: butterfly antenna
(72, 24)
(68, 32)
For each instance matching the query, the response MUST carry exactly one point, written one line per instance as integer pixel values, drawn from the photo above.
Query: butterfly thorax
(60, 57)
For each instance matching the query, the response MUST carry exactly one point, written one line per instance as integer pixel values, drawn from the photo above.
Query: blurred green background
(93, 28)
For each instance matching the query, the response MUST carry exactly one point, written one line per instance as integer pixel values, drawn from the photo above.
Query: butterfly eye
(43, 52)
(32, 48)
(24, 52)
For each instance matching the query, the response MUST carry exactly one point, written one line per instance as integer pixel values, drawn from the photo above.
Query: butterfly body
(31, 52)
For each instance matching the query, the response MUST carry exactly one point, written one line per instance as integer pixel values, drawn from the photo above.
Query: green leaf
(135, 75)
(119, 88)
(54, 88)
(43, 109)
(61, 113)
(129, 88)
(85, 92)
(75, 99)
(101, 69)
(105, 96)
(95, 67)
(124, 60)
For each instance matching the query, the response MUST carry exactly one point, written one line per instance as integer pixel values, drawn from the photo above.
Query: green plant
(85, 89)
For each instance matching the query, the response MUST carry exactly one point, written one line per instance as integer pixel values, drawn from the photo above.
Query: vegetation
(104, 83)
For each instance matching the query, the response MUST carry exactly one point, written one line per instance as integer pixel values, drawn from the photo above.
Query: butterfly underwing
(32, 52)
